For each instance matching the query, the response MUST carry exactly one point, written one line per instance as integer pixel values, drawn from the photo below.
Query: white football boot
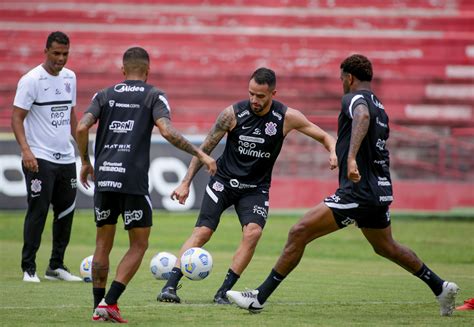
(30, 276)
(246, 300)
(61, 274)
(447, 298)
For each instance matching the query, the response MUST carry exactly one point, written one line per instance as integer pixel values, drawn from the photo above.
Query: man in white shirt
(43, 120)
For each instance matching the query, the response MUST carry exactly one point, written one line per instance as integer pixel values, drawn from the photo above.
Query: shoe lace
(249, 293)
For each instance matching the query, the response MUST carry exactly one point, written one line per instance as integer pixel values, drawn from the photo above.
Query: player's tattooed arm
(225, 122)
(174, 137)
(360, 126)
(168, 131)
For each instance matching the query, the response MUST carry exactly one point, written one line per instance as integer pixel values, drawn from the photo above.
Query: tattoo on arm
(175, 137)
(224, 123)
(360, 126)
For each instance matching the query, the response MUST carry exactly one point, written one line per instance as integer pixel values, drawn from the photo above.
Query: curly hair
(359, 66)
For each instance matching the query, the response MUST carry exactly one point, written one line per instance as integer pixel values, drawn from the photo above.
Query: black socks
(174, 279)
(99, 294)
(116, 289)
(431, 279)
(269, 285)
(229, 281)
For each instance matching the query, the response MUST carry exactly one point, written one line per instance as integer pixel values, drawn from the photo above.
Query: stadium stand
(204, 50)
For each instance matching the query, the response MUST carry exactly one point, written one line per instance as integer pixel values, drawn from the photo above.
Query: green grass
(339, 282)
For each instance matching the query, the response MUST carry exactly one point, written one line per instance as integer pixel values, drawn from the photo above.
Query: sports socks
(431, 279)
(175, 277)
(116, 289)
(230, 279)
(269, 285)
(99, 294)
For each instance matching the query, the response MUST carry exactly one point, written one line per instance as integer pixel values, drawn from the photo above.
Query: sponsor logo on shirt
(67, 87)
(383, 181)
(257, 131)
(115, 167)
(59, 116)
(243, 114)
(118, 147)
(121, 126)
(112, 184)
(277, 115)
(385, 198)
(251, 139)
(129, 216)
(122, 87)
(377, 103)
(127, 105)
(248, 148)
(384, 125)
(73, 182)
(235, 183)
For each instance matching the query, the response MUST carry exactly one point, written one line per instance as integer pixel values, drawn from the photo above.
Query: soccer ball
(86, 269)
(196, 263)
(162, 264)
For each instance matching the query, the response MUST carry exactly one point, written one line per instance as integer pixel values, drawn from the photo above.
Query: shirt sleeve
(95, 107)
(26, 93)
(350, 101)
(160, 105)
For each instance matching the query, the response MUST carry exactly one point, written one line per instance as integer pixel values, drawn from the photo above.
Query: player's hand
(180, 193)
(332, 160)
(29, 161)
(353, 171)
(86, 170)
(209, 162)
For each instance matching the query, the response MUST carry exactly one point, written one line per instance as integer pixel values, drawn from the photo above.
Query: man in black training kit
(256, 129)
(363, 197)
(127, 113)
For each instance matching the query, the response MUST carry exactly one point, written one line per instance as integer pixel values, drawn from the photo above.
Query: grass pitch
(339, 282)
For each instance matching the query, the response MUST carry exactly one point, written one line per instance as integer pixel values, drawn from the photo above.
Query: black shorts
(347, 212)
(136, 210)
(251, 204)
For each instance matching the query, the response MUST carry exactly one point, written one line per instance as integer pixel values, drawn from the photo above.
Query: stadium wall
(168, 167)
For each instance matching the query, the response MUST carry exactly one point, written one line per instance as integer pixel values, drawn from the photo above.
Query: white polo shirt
(49, 100)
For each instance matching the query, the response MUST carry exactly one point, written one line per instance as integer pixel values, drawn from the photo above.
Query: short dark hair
(265, 76)
(58, 37)
(136, 58)
(359, 66)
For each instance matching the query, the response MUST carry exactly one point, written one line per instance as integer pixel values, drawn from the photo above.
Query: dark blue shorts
(347, 212)
(136, 210)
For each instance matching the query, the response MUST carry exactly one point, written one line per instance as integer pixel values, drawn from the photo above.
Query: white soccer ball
(86, 269)
(162, 264)
(196, 263)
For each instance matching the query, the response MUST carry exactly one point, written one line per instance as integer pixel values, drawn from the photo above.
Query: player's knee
(252, 233)
(202, 235)
(297, 233)
(386, 250)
